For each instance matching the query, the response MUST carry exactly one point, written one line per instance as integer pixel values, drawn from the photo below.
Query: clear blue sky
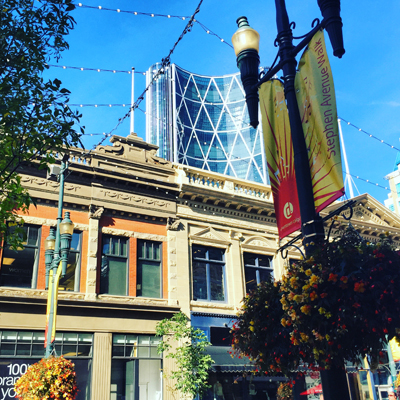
(366, 79)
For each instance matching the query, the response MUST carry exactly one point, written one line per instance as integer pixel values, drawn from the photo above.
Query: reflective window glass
(19, 267)
(208, 269)
(257, 268)
(149, 269)
(114, 266)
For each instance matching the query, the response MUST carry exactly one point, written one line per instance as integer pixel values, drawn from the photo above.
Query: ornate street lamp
(66, 231)
(57, 248)
(245, 42)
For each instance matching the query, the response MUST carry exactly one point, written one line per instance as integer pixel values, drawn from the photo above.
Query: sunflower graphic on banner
(279, 152)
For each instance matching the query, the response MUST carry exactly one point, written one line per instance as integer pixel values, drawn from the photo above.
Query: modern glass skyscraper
(202, 121)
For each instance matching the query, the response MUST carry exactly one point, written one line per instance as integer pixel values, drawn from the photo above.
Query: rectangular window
(19, 267)
(136, 368)
(208, 273)
(149, 269)
(257, 268)
(391, 207)
(114, 266)
(71, 279)
(30, 344)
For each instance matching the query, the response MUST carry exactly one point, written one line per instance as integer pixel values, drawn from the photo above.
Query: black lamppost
(246, 42)
(57, 247)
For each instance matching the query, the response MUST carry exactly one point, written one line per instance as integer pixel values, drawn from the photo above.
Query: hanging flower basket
(50, 378)
(343, 303)
(259, 334)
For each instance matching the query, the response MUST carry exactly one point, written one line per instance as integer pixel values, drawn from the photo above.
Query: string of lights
(207, 30)
(114, 71)
(370, 135)
(210, 32)
(132, 12)
(164, 63)
(368, 181)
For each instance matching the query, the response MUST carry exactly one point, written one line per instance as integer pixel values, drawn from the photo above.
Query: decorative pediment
(133, 148)
(258, 243)
(370, 217)
(209, 236)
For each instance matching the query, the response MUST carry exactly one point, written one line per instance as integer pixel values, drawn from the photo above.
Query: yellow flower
(304, 337)
(252, 328)
(298, 298)
(308, 272)
(283, 322)
(327, 337)
(322, 310)
(313, 279)
(251, 322)
(305, 309)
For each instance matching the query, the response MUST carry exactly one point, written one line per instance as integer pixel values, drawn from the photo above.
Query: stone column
(93, 245)
(235, 271)
(173, 226)
(101, 371)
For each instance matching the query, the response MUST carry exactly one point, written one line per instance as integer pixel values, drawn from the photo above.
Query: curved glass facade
(203, 122)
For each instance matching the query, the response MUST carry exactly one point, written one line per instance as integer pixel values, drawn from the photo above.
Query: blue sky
(366, 79)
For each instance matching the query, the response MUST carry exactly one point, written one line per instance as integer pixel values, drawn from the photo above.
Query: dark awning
(223, 361)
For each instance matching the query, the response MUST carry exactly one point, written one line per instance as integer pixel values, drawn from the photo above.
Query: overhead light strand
(152, 15)
(115, 71)
(369, 134)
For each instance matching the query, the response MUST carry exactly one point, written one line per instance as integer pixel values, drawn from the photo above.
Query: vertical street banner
(279, 153)
(315, 94)
(52, 297)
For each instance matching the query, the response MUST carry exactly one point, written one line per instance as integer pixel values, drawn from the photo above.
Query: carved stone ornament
(135, 199)
(95, 212)
(174, 224)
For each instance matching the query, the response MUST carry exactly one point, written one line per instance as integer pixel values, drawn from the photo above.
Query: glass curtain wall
(207, 121)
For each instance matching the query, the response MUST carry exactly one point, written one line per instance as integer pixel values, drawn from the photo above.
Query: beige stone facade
(125, 191)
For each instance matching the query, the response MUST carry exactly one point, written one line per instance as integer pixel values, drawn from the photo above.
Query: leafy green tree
(35, 119)
(192, 362)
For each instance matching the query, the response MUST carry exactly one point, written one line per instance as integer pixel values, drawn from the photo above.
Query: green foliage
(34, 116)
(191, 360)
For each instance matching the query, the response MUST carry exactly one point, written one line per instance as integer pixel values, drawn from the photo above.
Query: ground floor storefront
(113, 346)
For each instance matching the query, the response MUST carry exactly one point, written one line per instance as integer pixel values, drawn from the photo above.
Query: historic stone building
(151, 238)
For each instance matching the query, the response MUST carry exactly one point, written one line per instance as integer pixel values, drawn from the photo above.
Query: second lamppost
(57, 247)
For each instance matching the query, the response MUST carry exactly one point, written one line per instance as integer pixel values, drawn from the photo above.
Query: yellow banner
(52, 297)
(315, 94)
(280, 159)
(395, 348)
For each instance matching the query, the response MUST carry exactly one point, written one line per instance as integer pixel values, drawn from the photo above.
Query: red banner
(279, 153)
